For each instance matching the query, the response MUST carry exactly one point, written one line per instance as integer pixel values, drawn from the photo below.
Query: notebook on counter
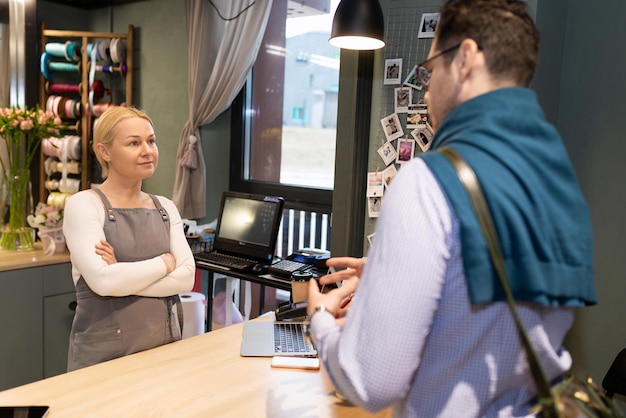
(246, 234)
(268, 339)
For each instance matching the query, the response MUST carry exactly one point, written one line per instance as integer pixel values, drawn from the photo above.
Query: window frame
(300, 198)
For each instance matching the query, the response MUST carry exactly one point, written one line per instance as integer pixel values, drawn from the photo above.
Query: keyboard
(289, 338)
(283, 269)
(225, 261)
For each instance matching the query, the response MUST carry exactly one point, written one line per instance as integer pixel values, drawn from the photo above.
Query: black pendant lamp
(358, 24)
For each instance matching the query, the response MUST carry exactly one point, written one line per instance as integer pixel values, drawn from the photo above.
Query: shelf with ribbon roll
(82, 75)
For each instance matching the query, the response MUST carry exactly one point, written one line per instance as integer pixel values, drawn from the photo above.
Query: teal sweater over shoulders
(542, 218)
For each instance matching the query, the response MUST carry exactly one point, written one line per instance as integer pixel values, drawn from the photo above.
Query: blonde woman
(130, 258)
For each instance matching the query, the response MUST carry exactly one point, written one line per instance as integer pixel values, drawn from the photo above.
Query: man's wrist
(320, 308)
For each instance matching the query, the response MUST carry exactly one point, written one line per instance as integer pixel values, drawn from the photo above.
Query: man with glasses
(427, 330)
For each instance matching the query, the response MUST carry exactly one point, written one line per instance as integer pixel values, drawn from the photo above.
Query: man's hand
(334, 300)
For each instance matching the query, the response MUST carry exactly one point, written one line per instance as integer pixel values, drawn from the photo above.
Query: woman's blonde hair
(104, 129)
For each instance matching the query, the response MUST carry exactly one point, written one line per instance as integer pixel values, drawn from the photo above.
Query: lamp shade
(358, 24)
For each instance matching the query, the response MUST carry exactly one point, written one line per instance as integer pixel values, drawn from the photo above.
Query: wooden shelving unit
(118, 83)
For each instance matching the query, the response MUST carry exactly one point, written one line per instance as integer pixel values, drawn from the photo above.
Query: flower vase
(16, 235)
(52, 240)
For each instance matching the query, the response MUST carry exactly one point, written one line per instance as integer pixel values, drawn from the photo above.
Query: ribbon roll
(73, 167)
(56, 49)
(49, 164)
(123, 69)
(51, 147)
(72, 52)
(57, 199)
(60, 88)
(52, 185)
(118, 50)
(64, 67)
(44, 62)
(103, 50)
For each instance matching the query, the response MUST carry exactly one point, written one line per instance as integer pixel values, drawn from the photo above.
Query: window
(285, 119)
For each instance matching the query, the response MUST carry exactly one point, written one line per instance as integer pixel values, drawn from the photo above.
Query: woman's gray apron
(107, 327)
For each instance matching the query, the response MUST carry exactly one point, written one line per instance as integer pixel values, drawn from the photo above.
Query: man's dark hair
(502, 29)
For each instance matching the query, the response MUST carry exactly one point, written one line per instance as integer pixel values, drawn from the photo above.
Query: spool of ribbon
(117, 50)
(100, 48)
(60, 88)
(122, 69)
(63, 107)
(68, 50)
(52, 185)
(47, 66)
(58, 199)
(99, 90)
(100, 108)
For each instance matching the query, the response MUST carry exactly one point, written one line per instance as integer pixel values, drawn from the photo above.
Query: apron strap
(162, 211)
(107, 204)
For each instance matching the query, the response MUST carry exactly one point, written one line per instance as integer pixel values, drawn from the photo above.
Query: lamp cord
(230, 18)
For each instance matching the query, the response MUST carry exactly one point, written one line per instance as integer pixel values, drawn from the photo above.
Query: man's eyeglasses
(423, 74)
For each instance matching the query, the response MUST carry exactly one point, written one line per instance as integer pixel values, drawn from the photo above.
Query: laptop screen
(248, 225)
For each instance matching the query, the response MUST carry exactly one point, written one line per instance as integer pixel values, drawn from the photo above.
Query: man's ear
(468, 58)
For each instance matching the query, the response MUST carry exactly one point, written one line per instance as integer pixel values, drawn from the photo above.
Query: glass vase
(16, 234)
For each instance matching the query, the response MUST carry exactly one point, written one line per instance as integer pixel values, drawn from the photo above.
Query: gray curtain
(5, 68)
(5, 88)
(224, 39)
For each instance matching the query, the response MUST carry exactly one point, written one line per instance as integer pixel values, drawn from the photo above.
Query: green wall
(160, 83)
(591, 119)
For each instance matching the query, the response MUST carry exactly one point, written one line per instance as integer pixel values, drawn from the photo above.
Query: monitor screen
(247, 220)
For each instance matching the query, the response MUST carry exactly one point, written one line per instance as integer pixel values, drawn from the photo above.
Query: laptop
(268, 339)
(246, 234)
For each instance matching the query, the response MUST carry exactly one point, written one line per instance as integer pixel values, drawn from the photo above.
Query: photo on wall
(406, 149)
(373, 206)
(423, 135)
(402, 99)
(416, 115)
(412, 80)
(393, 71)
(428, 25)
(391, 127)
(387, 152)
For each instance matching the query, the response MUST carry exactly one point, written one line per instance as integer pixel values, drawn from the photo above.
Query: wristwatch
(318, 309)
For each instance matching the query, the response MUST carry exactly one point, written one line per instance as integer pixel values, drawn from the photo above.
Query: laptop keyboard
(228, 261)
(289, 338)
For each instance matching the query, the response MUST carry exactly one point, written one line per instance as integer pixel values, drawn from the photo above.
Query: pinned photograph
(387, 152)
(406, 148)
(391, 127)
(428, 25)
(403, 99)
(423, 135)
(416, 116)
(373, 206)
(388, 174)
(412, 80)
(393, 71)
(375, 185)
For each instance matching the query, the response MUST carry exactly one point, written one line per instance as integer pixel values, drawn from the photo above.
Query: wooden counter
(14, 260)
(202, 376)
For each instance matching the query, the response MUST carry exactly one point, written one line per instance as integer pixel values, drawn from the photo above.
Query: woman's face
(133, 153)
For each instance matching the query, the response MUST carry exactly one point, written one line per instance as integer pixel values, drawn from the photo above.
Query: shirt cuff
(321, 324)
